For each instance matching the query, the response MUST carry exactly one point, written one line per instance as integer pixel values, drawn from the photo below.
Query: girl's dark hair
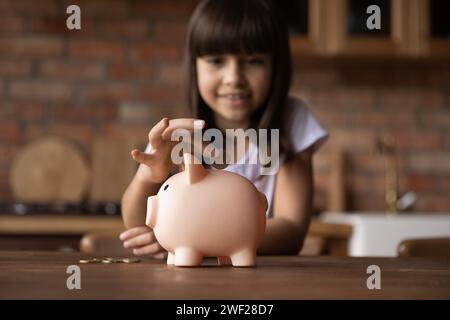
(241, 26)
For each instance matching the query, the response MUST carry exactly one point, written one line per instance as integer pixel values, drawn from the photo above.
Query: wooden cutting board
(113, 168)
(49, 170)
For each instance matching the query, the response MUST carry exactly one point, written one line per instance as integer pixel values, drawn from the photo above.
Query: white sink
(379, 234)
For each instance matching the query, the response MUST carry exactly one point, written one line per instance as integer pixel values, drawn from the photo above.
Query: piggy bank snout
(152, 211)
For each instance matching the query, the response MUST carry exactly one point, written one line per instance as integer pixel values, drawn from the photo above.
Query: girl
(239, 72)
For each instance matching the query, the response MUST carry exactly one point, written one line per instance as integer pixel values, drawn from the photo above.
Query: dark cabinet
(408, 28)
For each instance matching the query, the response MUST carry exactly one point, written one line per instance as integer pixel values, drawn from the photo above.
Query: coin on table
(118, 260)
(131, 260)
(112, 260)
(107, 260)
(94, 260)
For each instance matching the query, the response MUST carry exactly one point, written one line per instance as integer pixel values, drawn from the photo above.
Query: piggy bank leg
(170, 258)
(244, 258)
(187, 257)
(224, 261)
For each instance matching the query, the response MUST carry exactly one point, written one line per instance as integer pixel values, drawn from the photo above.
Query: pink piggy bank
(213, 213)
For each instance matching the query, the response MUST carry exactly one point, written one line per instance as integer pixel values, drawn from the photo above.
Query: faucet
(385, 145)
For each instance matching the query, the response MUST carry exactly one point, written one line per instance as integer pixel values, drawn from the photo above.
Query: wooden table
(42, 275)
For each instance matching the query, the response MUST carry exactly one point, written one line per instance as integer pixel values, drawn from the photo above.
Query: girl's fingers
(142, 157)
(183, 123)
(133, 232)
(154, 137)
(140, 240)
(153, 248)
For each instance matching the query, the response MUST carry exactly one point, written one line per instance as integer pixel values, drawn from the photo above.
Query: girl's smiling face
(234, 85)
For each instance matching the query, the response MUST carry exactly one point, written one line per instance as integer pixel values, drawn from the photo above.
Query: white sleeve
(305, 130)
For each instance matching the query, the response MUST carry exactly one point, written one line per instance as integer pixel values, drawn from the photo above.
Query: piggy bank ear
(194, 171)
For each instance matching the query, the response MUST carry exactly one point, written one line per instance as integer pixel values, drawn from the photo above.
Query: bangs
(241, 27)
(232, 27)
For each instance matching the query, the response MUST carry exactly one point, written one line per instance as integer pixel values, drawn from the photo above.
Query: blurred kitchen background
(73, 103)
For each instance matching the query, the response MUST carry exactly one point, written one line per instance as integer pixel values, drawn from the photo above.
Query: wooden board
(112, 168)
(49, 170)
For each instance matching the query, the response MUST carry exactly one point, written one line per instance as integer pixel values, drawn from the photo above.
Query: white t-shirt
(305, 131)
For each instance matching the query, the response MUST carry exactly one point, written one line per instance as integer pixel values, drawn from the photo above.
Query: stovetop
(22, 208)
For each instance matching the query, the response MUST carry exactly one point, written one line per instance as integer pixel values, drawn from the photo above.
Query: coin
(94, 260)
(131, 260)
(110, 260)
(118, 260)
(107, 260)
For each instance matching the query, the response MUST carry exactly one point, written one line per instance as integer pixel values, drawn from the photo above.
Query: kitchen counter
(51, 231)
(57, 224)
(379, 234)
(63, 232)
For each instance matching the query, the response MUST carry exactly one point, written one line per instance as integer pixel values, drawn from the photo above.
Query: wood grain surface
(42, 275)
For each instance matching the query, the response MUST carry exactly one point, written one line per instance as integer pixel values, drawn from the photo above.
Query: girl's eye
(214, 60)
(165, 188)
(253, 60)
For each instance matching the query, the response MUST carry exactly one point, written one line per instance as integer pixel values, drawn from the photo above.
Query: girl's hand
(157, 165)
(143, 242)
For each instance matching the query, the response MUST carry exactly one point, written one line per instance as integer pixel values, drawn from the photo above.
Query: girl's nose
(233, 74)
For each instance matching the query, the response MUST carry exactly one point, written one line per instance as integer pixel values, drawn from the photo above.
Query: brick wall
(361, 100)
(121, 73)
(115, 77)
